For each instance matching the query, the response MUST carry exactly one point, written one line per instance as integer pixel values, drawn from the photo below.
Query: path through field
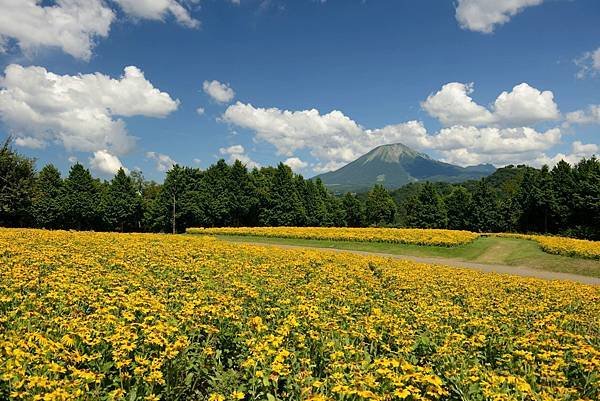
(485, 267)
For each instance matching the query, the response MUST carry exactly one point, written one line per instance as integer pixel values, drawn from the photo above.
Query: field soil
(488, 254)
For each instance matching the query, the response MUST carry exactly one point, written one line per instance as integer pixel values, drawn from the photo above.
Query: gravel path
(492, 268)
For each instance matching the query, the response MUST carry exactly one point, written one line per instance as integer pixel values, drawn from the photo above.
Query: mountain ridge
(395, 165)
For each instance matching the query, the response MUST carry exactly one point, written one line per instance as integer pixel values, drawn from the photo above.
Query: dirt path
(495, 268)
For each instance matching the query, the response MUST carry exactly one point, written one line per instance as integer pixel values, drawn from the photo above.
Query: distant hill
(396, 165)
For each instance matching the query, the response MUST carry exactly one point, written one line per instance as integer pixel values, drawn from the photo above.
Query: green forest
(563, 200)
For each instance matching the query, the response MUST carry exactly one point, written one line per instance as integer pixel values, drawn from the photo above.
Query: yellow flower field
(413, 236)
(563, 246)
(97, 316)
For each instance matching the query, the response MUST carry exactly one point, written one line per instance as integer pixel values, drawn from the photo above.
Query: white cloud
(163, 162)
(30, 142)
(71, 25)
(589, 64)
(78, 111)
(157, 10)
(578, 152)
(472, 145)
(524, 105)
(579, 148)
(105, 163)
(295, 163)
(200, 111)
(237, 152)
(220, 92)
(452, 105)
(334, 139)
(589, 116)
(484, 15)
(75, 25)
(72, 159)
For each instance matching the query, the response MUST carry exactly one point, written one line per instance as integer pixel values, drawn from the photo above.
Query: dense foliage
(562, 200)
(103, 316)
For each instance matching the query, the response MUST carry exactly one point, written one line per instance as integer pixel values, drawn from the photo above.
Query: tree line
(565, 200)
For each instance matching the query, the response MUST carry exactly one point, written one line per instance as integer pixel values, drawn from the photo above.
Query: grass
(488, 250)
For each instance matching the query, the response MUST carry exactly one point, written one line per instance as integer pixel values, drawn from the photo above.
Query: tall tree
(547, 204)
(285, 207)
(586, 198)
(459, 204)
(380, 206)
(79, 198)
(427, 209)
(17, 177)
(243, 195)
(485, 208)
(563, 184)
(47, 208)
(123, 204)
(179, 201)
(526, 198)
(355, 214)
(218, 195)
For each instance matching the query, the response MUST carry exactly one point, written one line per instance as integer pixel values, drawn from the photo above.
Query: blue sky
(316, 83)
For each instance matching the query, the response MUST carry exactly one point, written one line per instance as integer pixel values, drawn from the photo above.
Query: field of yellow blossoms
(92, 316)
(563, 246)
(413, 236)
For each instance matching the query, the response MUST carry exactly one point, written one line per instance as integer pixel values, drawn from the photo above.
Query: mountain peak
(395, 165)
(392, 153)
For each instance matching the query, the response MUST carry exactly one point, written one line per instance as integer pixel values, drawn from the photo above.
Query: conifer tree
(123, 204)
(355, 214)
(80, 200)
(380, 207)
(485, 216)
(427, 209)
(17, 177)
(47, 208)
(459, 204)
(285, 207)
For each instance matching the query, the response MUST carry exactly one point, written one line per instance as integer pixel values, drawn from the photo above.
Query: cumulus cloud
(77, 111)
(485, 15)
(158, 10)
(75, 25)
(30, 142)
(163, 162)
(218, 91)
(237, 152)
(334, 139)
(295, 163)
(71, 25)
(578, 151)
(105, 163)
(523, 105)
(589, 116)
(589, 64)
(452, 105)
(499, 146)
(200, 111)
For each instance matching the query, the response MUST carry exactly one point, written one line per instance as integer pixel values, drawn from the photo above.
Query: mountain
(396, 165)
